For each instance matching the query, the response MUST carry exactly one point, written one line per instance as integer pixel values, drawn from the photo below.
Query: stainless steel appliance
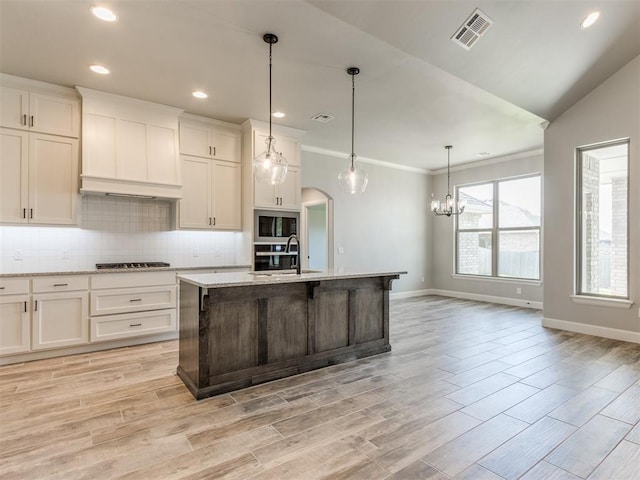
(271, 226)
(274, 257)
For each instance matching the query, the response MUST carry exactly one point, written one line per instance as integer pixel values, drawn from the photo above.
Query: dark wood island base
(232, 337)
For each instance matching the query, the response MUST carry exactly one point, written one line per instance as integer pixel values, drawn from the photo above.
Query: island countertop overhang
(244, 279)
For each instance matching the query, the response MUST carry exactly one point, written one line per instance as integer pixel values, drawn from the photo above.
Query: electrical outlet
(519, 291)
(65, 254)
(340, 250)
(196, 253)
(17, 254)
(422, 279)
(218, 253)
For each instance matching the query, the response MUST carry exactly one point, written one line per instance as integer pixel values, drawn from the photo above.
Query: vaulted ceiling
(416, 92)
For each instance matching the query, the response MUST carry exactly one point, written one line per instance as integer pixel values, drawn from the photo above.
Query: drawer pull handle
(1, 288)
(24, 119)
(32, 121)
(35, 309)
(135, 300)
(135, 325)
(60, 284)
(25, 307)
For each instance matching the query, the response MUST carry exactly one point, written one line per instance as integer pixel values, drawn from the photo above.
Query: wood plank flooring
(470, 391)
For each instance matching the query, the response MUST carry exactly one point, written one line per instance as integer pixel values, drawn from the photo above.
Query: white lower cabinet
(14, 324)
(112, 327)
(126, 305)
(60, 320)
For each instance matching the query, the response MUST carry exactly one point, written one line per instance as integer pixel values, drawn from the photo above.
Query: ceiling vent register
(471, 30)
(323, 117)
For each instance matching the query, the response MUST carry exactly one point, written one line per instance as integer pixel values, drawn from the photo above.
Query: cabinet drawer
(129, 300)
(60, 283)
(133, 279)
(14, 286)
(112, 327)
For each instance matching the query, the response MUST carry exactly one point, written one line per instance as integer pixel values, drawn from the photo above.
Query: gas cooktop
(130, 265)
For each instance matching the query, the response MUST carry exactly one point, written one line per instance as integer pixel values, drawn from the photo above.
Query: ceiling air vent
(322, 117)
(471, 30)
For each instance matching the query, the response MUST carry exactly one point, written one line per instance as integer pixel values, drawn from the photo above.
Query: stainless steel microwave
(271, 226)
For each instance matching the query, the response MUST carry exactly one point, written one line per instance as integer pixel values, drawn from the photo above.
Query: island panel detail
(239, 336)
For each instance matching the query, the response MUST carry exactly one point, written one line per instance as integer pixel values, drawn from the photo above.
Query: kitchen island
(241, 329)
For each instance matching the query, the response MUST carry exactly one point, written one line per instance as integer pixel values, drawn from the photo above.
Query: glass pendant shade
(270, 166)
(353, 179)
(448, 207)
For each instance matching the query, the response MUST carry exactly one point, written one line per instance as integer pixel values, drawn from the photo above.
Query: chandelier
(270, 166)
(353, 179)
(448, 207)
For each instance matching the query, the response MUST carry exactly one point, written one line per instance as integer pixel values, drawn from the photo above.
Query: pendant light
(447, 207)
(270, 166)
(353, 179)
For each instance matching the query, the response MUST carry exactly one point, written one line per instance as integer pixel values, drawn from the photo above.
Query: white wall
(609, 112)
(113, 230)
(317, 236)
(442, 239)
(386, 228)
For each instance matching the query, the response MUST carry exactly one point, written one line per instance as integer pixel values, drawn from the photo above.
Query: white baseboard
(413, 293)
(515, 302)
(595, 330)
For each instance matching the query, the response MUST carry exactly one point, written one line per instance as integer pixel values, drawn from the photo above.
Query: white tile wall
(113, 230)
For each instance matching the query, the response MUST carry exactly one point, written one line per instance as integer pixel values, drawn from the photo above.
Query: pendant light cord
(448, 171)
(353, 115)
(270, 136)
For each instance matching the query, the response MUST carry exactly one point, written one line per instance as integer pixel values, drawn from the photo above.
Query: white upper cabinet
(285, 196)
(130, 147)
(208, 138)
(212, 195)
(39, 112)
(39, 181)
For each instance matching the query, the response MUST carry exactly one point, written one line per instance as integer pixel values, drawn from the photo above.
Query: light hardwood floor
(470, 391)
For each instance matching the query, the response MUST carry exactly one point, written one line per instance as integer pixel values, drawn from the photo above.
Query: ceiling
(417, 90)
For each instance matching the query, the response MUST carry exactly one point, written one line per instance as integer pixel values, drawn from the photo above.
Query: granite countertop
(243, 279)
(121, 270)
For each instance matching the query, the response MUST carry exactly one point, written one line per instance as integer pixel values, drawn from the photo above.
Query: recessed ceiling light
(103, 13)
(278, 114)
(199, 94)
(589, 20)
(482, 154)
(99, 69)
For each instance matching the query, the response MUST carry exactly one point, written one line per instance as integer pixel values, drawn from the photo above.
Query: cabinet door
(225, 145)
(226, 195)
(53, 179)
(162, 155)
(264, 195)
(54, 115)
(194, 139)
(195, 205)
(14, 180)
(14, 108)
(14, 324)
(289, 190)
(60, 320)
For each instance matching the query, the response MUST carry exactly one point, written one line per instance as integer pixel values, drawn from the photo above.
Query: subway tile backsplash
(113, 230)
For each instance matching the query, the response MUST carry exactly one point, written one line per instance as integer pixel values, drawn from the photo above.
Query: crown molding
(345, 156)
(424, 171)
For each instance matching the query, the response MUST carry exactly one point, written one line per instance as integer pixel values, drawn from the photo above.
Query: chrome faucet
(287, 250)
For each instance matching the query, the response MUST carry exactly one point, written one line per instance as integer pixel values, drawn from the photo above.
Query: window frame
(495, 230)
(578, 293)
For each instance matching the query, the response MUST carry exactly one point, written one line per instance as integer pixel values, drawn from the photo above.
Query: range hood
(129, 147)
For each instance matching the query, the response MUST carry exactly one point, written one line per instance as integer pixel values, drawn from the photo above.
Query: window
(602, 217)
(498, 235)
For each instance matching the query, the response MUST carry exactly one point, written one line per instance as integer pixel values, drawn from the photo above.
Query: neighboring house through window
(498, 235)
(602, 219)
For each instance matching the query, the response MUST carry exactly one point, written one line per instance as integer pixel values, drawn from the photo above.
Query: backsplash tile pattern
(113, 230)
